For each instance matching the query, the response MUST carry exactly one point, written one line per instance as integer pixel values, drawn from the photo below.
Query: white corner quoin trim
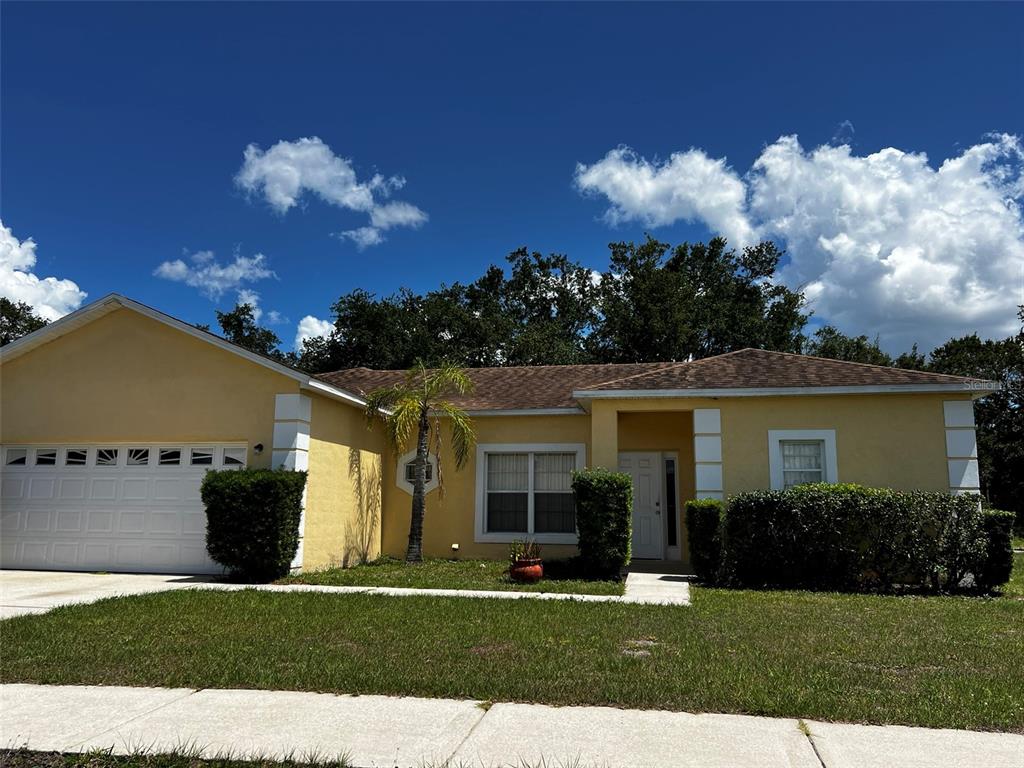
(480, 533)
(290, 450)
(707, 453)
(778, 436)
(961, 447)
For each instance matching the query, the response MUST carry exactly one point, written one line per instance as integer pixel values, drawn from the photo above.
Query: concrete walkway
(26, 592)
(411, 732)
(657, 588)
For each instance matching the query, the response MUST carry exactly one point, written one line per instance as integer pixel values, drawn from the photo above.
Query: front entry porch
(672, 456)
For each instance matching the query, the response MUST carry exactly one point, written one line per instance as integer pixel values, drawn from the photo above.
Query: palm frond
(400, 407)
(382, 400)
(463, 437)
(447, 379)
(403, 423)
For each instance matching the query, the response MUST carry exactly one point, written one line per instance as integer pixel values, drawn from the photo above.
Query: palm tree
(416, 405)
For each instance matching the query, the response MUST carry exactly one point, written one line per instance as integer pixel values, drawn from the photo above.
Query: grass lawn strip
(939, 661)
(1015, 587)
(451, 574)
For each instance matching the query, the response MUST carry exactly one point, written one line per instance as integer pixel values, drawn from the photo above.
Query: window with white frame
(803, 461)
(802, 456)
(527, 491)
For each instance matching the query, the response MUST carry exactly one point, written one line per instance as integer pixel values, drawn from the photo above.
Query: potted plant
(524, 562)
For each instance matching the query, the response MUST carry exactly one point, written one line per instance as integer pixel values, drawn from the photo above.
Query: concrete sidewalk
(389, 731)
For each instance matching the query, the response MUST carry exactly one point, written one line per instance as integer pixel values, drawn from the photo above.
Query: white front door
(645, 469)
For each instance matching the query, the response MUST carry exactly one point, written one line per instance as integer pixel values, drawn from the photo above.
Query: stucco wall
(882, 440)
(125, 377)
(343, 496)
(451, 520)
(895, 441)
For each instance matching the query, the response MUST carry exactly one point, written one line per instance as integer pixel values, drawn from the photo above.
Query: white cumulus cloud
(211, 277)
(363, 237)
(288, 170)
(689, 186)
(309, 327)
(252, 298)
(50, 297)
(884, 243)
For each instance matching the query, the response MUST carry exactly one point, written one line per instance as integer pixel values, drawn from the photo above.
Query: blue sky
(124, 128)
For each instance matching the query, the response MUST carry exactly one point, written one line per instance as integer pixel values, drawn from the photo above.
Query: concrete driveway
(23, 592)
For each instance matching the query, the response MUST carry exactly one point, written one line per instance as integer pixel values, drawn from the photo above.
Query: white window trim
(481, 535)
(404, 484)
(778, 436)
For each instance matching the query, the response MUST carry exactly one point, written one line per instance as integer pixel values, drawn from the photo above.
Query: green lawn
(1015, 587)
(936, 661)
(453, 574)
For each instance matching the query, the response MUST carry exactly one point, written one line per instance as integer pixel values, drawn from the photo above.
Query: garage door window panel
(138, 457)
(46, 457)
(234, 457)
(170, 457)
(76, 457)
(16, 457)
(107, 457)
(202, 457)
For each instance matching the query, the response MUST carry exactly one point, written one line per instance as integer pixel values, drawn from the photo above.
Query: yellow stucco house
(110, 417)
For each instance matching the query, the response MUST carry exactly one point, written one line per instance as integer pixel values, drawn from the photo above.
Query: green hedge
(852, 538)
(604, 519)
(252, 520)
(997, 564)
(704, 532)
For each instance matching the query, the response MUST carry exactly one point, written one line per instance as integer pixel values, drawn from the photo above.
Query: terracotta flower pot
(526, 571)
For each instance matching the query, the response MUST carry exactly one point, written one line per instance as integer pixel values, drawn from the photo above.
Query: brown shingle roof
(552, 386)
(759, 369)
(514, 387)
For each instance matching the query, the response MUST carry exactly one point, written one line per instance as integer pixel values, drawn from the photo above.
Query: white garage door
(108, 507)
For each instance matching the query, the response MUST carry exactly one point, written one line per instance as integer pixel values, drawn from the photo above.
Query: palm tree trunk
(414, 554)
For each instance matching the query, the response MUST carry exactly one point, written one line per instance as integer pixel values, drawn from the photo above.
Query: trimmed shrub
(851, 538)
(704, 531)
(252, 520)
(997, 565)
(604, 519)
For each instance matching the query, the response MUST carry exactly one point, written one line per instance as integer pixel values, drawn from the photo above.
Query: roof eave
(572, 410)
(975, 389)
